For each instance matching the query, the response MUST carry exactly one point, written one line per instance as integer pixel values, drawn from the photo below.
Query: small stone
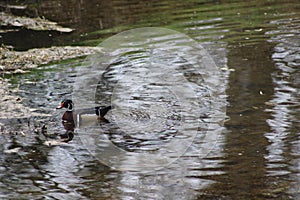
(19, 71)
(261, 92)
(269, 103)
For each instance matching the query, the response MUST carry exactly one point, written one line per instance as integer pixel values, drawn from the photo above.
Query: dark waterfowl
(68, 123)
(69, 117)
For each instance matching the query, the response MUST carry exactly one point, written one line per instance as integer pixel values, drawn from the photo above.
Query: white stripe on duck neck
(70, 105)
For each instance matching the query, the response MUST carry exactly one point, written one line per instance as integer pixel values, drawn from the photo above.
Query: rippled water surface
(245, 112)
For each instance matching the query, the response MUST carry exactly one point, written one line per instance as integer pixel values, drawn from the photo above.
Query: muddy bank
(19, 62)
(39, 24)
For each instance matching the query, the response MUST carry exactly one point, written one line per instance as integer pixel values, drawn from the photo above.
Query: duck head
(66, 103)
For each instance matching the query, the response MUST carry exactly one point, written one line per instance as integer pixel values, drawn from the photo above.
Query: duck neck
(69, 110)
(70, 107)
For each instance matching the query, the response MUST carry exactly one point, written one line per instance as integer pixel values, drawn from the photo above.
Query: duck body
(70, 118)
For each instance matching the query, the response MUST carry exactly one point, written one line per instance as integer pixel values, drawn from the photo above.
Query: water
(255, 153)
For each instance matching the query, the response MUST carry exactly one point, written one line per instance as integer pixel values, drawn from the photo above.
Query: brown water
(255, 152)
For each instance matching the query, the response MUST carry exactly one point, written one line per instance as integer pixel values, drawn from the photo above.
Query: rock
(19, 71)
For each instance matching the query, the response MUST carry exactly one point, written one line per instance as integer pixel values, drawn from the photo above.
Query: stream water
(230, 131)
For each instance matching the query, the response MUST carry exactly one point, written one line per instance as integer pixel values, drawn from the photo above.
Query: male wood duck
(69, 116)
(68, 120)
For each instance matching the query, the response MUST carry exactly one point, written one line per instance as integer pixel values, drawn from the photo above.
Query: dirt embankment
(38, 24)
(18, 62)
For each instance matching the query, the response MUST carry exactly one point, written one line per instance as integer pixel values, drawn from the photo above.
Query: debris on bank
(20, 61)
(38, 24)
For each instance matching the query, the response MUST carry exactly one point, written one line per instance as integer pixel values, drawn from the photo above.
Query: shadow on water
(256, 156)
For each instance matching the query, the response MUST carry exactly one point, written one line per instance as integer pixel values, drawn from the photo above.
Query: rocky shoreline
(21, 61)
(38, 24)
(15, 62)
(12, 61)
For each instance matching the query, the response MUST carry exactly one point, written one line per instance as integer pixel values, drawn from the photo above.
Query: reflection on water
(283, 152)
(256, 154)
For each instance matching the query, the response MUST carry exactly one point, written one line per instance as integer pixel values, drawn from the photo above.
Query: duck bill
(61, 106)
